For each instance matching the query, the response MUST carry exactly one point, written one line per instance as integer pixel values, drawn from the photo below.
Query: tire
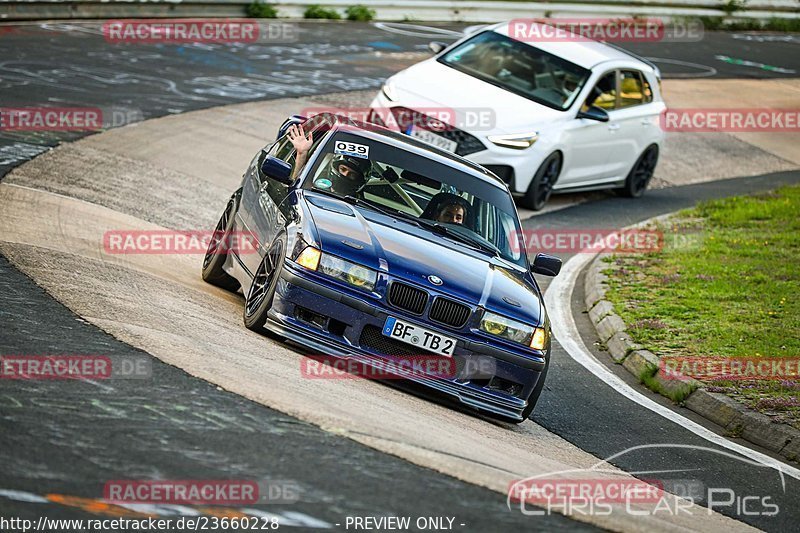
(541, 186)
(642, 172)
(261, 293)
(215, 258)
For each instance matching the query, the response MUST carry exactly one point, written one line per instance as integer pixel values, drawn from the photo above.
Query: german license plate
(419, 337)
(436, 140)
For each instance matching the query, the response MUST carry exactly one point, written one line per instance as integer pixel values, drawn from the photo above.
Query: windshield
(519, 68)
(436, 197)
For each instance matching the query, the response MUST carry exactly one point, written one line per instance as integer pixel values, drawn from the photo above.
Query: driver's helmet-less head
(348, 173)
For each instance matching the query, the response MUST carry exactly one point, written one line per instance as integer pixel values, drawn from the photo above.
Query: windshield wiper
(394, 213)
(435, 227)
(487, 247)
(362, 201)
(465, 239)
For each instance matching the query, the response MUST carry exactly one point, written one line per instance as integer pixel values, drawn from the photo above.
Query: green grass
(360, 13)
(747, 24)
(262, 10)
(726, 284)
(316, 11)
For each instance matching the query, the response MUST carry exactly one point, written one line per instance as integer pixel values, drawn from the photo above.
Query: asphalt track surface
(70, 440)
(70, 64)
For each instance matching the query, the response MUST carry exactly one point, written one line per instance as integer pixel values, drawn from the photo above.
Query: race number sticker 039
(353, 149)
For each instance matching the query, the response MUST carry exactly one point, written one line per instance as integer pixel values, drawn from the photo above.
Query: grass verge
(725, 285)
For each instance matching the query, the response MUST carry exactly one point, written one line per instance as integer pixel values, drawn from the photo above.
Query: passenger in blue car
(451, 214)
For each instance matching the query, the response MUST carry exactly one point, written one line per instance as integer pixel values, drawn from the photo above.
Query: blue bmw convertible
(374, 246)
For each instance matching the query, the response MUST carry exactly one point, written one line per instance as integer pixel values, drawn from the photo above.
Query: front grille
(449, 312)
(467, 143)
(374, 340)
(407, 297)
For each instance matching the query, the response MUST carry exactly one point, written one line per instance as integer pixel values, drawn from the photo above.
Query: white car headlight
(519, 141)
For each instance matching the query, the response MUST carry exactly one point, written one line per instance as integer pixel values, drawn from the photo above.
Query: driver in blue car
(345, 174)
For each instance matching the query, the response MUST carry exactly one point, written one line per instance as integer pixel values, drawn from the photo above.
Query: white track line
(416, 30)
(557, 300)
(706, 71)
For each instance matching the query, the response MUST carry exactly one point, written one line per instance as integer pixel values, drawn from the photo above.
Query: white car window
(604, 93)
(631, 89)
(519, 68)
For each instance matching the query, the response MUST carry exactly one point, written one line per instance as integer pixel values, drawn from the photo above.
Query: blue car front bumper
(329, 321)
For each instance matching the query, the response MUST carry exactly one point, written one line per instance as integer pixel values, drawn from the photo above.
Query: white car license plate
(419, 337)
(436, 140)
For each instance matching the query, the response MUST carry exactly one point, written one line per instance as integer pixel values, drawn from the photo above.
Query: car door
(260, 199)
(267, 217)
(589, 143)
(637, 117)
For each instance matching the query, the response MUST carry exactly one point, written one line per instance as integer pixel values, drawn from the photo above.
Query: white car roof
(583, 53)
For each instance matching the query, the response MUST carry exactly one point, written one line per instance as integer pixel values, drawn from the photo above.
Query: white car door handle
(613, 127)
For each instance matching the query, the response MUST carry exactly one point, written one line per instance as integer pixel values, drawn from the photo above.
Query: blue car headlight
(336, 267)
(513, 330)
(356, 275)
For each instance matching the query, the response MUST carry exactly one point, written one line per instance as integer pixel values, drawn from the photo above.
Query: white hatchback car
(562, 115)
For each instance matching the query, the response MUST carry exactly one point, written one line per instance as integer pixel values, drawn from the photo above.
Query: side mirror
(594, 113)
(436, 47)
(294, 119)
(277, 169)
(547, 265)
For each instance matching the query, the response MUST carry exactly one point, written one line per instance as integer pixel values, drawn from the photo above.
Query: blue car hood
(412, 253)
